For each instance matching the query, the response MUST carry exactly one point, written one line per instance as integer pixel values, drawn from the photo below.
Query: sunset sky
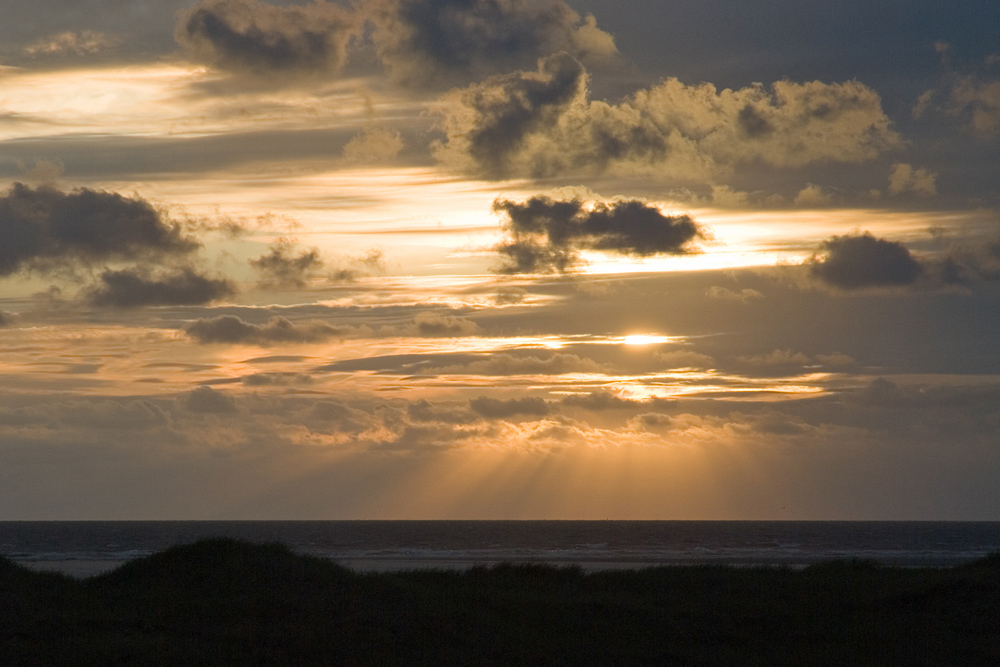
(477, 259)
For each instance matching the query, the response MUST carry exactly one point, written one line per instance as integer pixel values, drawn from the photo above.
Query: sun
(645, 339)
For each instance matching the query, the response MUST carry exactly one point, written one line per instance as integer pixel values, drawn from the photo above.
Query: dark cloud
(506, 109)
(442, 41)
(545, 235)
(861, 260)
(233, 330)
(210, 401)
(493, 408)
(282, 267)
(44, 228)
(134, 288)
(250, 38)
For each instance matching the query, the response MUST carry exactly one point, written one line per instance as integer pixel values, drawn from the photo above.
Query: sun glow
(646, 339)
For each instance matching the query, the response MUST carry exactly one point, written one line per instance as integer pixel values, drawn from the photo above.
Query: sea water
(83, 548)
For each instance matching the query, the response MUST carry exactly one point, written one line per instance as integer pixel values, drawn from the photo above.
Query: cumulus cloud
(542, 123)
(979, 101)
(233, 330)
(812, 195)
(376, 145)
(494, 408)
(425, 42)
(135, 288)
(491, 125)
(282, 267)
(509, 364)
(277, 43)
(86, 42)
(208, 400)
(857, 261)
(44, 228)
(546, 235)
(904, 178)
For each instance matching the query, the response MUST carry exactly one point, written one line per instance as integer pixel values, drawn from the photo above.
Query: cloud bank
(543, 123)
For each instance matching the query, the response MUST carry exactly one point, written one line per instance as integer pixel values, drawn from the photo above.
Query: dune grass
(225, 602)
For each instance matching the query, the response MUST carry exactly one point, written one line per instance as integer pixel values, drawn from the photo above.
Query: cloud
(86, 42)
(98, 414)
(435, 324)
(545, 235)
(376, 145)
(509, 296)
(44, 228)
(836, 359)
(134, 288)
(508, 364)
(685, 359)
(777, 358)
(493, 408)
(725, 294)
(208, 400)
(275, 379)
(812, 195)
(861, 260)
(425, 42)
(489, 125)
(233, 330)
(353, 268)
(542, 123)
(599, 400)
(282, 268)
(424, 411)
(979, 102)
(253, 39)
(904, 178)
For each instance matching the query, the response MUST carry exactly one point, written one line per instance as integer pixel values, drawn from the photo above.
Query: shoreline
(82, 568)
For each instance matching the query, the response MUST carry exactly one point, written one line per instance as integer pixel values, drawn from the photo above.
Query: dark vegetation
(224, 602)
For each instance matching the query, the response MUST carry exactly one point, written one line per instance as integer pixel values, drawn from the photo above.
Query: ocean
(84, 548)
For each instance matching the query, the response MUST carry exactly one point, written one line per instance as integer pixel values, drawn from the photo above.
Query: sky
(500, 259)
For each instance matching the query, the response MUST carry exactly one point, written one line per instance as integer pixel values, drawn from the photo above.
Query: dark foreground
(224, 602)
